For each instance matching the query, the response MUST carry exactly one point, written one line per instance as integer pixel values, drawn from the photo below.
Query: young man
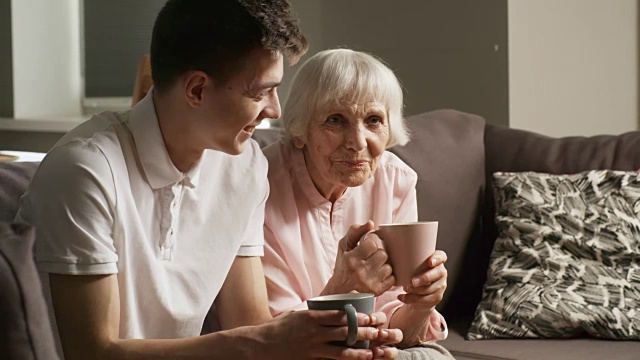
(146, 217)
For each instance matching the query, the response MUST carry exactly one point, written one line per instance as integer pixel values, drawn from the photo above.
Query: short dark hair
(213, 35)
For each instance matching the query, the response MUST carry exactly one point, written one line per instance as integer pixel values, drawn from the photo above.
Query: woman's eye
(334, 119)
(375, 120)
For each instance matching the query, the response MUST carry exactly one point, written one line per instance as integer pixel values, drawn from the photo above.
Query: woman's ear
(297, 142)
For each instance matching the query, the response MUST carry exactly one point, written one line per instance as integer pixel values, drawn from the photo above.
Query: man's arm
(243, 301)
(87, 310)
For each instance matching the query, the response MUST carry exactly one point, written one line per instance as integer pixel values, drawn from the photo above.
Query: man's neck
(183, 152)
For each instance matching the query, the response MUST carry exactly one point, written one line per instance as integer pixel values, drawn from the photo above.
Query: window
(115, 34)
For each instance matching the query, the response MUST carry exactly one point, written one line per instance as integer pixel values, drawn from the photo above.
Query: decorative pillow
(567, 259)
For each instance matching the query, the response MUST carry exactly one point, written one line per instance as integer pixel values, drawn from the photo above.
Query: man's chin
(232, 148)
(235, 148)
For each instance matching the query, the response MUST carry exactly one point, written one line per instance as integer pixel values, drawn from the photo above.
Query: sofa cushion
(14, 178)
(536, 349)
(25, 330)
(566, 261)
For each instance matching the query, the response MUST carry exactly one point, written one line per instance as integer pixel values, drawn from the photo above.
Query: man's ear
(195, 83)
(297, 142)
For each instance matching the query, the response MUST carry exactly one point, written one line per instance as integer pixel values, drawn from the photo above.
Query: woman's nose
(356, 138)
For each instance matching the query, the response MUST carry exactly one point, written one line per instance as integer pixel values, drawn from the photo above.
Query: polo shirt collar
(152, 152)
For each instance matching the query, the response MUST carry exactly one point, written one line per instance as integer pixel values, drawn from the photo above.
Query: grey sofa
(454, 154)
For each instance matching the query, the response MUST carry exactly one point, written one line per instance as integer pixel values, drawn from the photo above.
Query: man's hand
(306, 335)
(360, 267)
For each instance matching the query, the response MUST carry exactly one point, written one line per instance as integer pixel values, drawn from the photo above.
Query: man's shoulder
(101, 130)
(255, 155)
(93, 145)
(75, 162)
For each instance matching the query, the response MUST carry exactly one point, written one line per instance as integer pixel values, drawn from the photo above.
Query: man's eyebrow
(265, 85)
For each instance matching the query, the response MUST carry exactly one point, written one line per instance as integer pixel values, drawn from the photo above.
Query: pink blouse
(302, 231)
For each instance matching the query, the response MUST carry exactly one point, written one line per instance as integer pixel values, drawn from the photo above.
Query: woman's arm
(417, 317)
(284, 295)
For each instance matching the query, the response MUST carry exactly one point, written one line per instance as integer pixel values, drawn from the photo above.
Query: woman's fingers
(430, 276)
(437, 258)
(389, 336)
(355, 232)
(378, 258)
(429, 295)
(377, 319)
(342, 332)
(384, 352)
(366, 248)
(343, 353)
(339, 318)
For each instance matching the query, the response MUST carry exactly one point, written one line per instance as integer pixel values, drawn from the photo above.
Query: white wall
(46, 58)
(573, 66)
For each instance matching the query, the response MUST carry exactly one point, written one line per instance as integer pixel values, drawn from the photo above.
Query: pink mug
(408, 246)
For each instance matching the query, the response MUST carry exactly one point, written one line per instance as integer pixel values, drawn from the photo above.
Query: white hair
(338, 76)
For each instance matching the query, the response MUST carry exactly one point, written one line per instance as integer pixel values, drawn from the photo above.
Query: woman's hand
(307, 335)
(427, 289)
(383, 352)
(360, 267)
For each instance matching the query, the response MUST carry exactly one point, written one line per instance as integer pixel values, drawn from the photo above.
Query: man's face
(233, 109)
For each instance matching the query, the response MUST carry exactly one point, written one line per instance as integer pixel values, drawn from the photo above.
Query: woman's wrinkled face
(343, 145)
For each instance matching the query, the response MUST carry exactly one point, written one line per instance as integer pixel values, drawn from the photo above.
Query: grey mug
(350, 303)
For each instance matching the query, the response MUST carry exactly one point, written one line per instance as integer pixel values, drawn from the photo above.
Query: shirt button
(173, 204)
(170, 231)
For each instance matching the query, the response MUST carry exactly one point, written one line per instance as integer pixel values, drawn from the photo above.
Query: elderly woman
(331, 171)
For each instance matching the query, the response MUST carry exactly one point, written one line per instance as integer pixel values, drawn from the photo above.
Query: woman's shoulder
(279, 158)
(391, 163)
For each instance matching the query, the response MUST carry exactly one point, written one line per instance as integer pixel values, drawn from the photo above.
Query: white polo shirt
(108, 200)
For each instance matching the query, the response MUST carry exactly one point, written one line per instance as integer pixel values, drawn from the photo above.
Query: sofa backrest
(447, 152)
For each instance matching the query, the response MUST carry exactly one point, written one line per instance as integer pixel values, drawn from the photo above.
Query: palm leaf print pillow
(567, 259)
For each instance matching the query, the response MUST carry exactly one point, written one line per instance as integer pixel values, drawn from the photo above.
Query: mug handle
(352, 322)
